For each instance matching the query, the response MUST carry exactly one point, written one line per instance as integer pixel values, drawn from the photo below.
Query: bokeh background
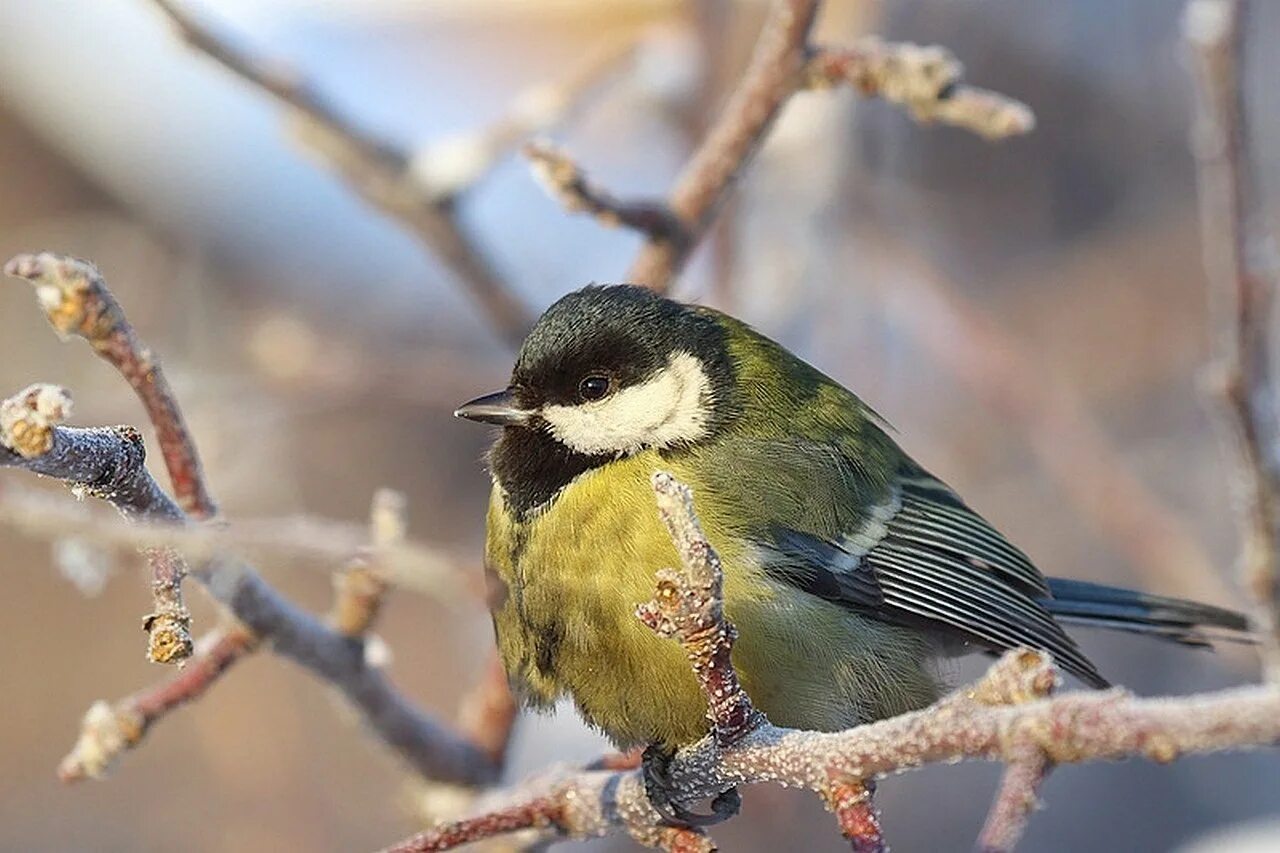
(319, 351)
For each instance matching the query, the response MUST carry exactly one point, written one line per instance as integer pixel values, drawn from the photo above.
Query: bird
(850, 572)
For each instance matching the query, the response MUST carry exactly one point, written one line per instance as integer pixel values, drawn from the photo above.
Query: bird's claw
(654, 767)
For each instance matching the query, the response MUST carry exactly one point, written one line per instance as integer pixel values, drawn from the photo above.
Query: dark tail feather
(1187, 622)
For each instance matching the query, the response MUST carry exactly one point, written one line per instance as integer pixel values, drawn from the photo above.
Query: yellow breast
(566, 584)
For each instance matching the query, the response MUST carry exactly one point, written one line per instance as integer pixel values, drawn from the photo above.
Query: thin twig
(411, 565)
(689, 608)
(1006, 716)
(77, 302)
(453, 165)
(925, 80)
(1240, 263)
(381, 172)
(108, 730)
(418, 189)
(856, 815)
(359, 589)
(772, 77)
(108, 464)
(565, 180)
(1015, 802)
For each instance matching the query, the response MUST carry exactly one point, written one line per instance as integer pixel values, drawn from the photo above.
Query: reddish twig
(856, 815)
(78, 303)
(538, 813)
(1239, 261)
(1016, 800)
(109, 730)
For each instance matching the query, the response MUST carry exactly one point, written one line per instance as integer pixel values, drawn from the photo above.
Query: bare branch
(78, 303)
(922, 79)
(925, 80)
(377, 169)
(410, 565)
(857, 816)
(771, 79)
(420, 190)
(108, 730)
(453, 165)
(1007, 716)
(689, 608)
(1017, 798)
(359, 588)
(1240, 263)
(566, 182)
(108, 464)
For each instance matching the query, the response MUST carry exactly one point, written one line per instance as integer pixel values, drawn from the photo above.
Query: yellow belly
(567, 582)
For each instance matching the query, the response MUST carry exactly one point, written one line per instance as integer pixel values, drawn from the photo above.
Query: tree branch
(1240, 263)
(1006, 716)
(107, 464)
(108, 730)
(375, 168)
(110, 464)
(359, 589)
(772, 77)
(418, 189)
(923, 79)
(408, 565)
(1016, 800)
(565, 181)
(78, 304)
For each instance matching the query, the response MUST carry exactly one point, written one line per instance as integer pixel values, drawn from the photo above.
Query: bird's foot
(655, 766)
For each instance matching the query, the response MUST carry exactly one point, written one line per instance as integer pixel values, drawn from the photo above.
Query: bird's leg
(655, 766)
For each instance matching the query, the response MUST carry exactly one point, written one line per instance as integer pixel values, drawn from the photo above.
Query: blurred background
(1030, 315)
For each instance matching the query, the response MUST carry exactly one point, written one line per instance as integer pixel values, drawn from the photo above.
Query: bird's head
(608, 372)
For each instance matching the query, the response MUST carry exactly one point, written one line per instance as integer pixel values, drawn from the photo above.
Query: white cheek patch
(671, 407)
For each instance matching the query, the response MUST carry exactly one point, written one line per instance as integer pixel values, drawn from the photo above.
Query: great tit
(850, 571)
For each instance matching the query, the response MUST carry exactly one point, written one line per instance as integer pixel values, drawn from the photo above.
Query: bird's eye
(593, 387)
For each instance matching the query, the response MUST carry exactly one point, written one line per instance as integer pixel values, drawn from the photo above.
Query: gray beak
(498, 408)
